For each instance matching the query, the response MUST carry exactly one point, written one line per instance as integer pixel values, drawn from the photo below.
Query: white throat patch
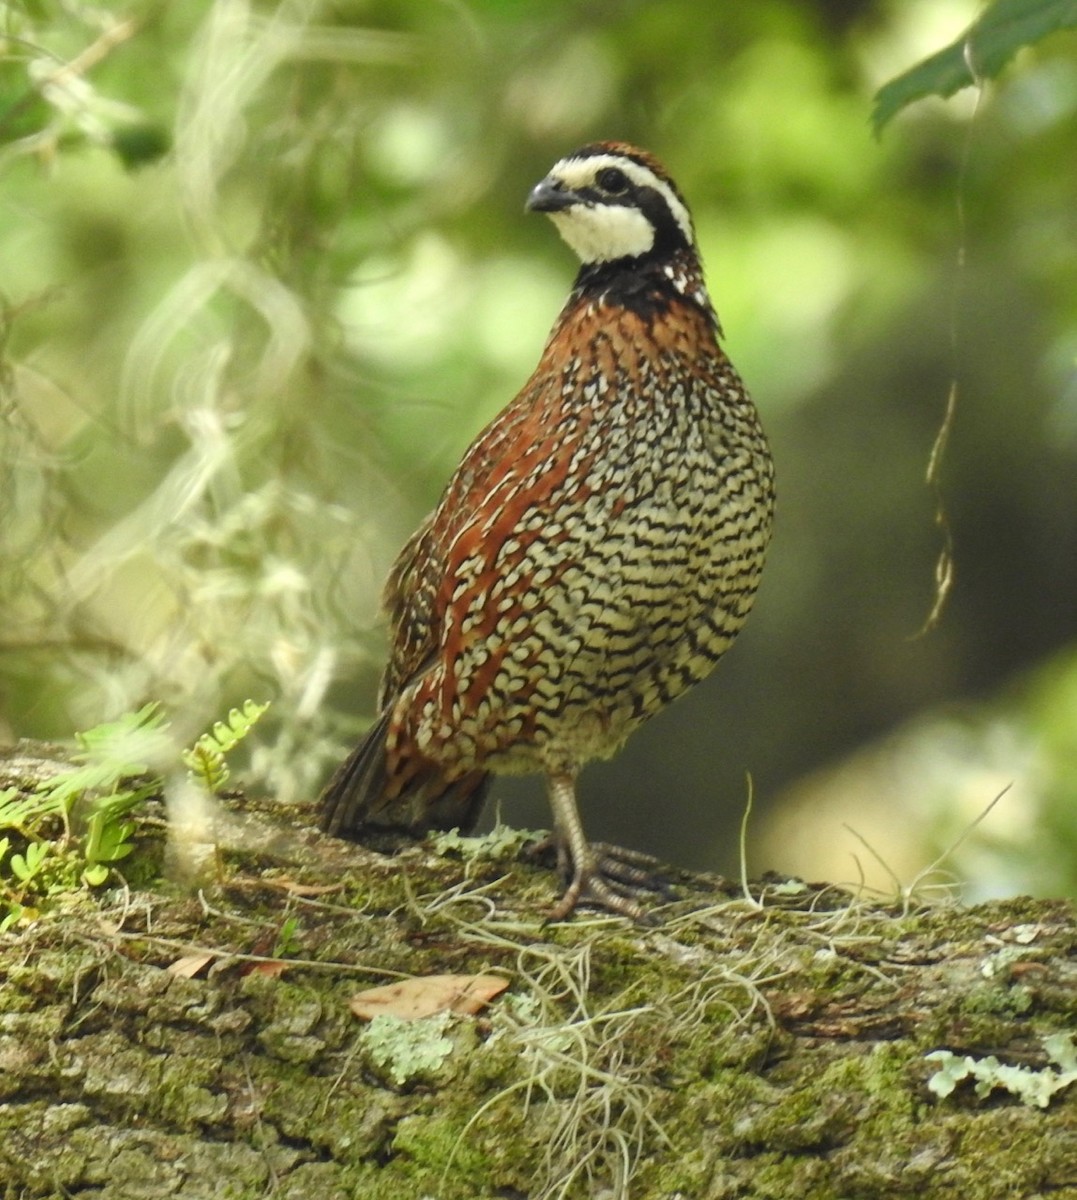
(602, 233)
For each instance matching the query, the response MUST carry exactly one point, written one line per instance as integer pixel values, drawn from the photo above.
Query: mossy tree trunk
(766, 1048)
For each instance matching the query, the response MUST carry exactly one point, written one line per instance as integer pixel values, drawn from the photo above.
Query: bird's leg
(589, 875)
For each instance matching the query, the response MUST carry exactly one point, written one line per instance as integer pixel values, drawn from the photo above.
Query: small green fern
(206, 758)
(72, 828)
(109, 755)
(69, 828)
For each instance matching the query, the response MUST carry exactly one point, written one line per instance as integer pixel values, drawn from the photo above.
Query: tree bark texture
(156, 1042)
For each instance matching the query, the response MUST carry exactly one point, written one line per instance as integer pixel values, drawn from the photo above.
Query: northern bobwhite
(594, 554)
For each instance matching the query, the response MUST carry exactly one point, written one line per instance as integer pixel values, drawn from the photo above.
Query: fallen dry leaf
(272, 968)
(426, 995)
(189, 965)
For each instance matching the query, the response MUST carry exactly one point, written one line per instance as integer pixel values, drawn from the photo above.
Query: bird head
(611, 201)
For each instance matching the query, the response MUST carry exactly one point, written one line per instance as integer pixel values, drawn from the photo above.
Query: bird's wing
(408, 601)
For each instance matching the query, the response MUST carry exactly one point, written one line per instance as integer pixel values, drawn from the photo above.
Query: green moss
(435, 1142)
(994, 1000)
(725, 1055)
(841, 1098)
(55, 970)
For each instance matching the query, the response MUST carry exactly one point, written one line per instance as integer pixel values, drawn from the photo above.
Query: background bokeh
(265, 271)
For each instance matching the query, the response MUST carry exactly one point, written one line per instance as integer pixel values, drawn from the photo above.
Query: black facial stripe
(596, 196)
(601, 150)
(668, 233)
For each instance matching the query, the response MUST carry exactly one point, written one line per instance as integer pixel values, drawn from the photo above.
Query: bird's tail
(360, 797)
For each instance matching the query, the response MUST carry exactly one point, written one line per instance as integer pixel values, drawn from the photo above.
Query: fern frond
(206, 758)
(108, 754)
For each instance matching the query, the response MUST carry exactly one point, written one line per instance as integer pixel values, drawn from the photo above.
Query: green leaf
(25, 866)
(980, 53)
(107, 838)
(12, 916)
(20, 812)
(288, 941)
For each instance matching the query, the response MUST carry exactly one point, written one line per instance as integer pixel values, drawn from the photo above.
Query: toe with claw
(598, 874)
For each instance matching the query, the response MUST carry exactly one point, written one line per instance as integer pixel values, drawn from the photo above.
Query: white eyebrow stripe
(581, 172)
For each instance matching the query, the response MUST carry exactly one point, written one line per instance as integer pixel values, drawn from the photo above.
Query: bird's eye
(612, 180)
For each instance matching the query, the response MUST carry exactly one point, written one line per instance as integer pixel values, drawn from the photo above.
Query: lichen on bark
(766, 1047)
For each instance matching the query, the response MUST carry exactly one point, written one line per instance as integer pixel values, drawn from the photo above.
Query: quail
(595, 552)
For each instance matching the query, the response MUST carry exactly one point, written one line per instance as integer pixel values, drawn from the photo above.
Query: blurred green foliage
(265, 272)
(981, 52)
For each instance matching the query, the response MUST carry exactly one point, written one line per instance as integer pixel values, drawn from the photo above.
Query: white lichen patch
(501, 842)
(1034, 1088)
(407, 1049)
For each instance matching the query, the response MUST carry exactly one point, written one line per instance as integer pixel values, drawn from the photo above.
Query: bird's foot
(600, 875)
(608, 877)
(631, 869)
